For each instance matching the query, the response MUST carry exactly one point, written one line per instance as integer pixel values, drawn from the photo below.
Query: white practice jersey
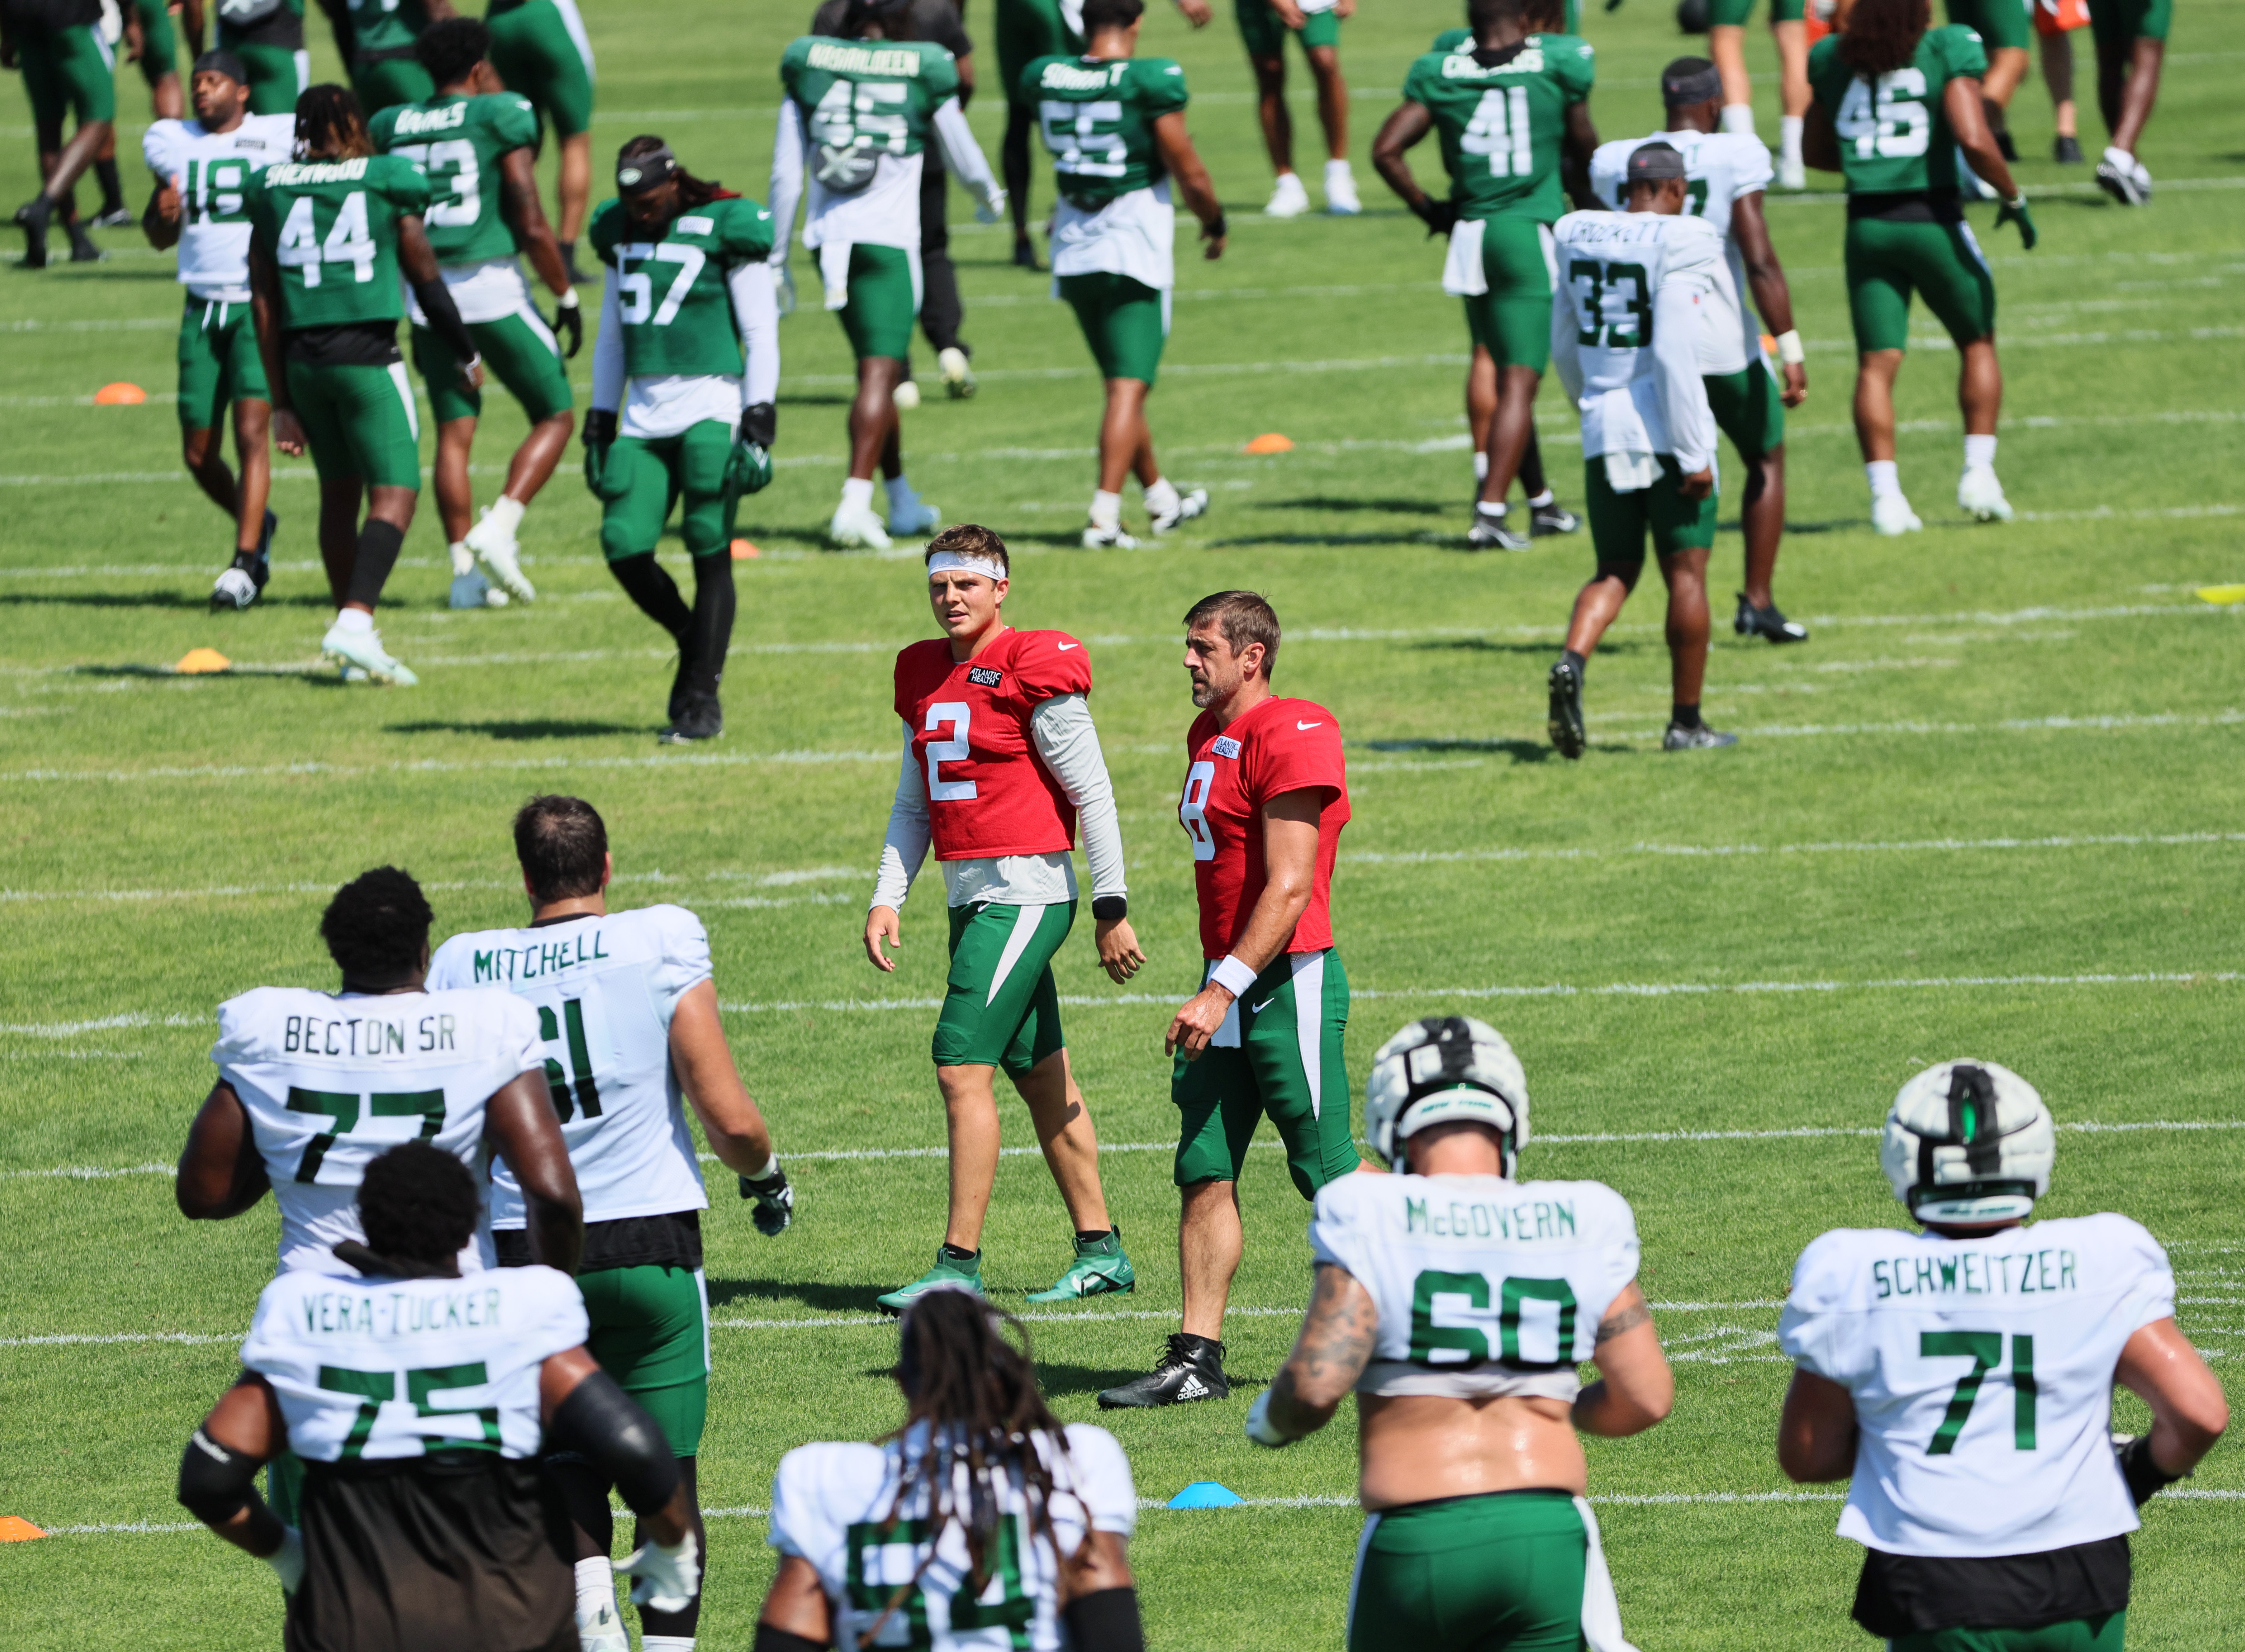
(1982, 1370)
(1718, 167)
(1632, 308)
(332, 1080)
(1484, 1287)
(386, 1368)
(212, 172)
(829, 1503)
(604, 990)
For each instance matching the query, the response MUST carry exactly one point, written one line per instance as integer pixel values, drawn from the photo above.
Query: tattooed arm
(1329, 1356)
(1635, 1387)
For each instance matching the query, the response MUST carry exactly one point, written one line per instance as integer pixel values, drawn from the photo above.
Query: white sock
(596, 1587)
(506, 515)
(1738, 118)
(354, 619)
(1337, 169)
(1481, 467)
(1885, 480)
(464, 561)
(1979, 452)
(771, 1169)
(1106, 509)
(1788, 138)
(901, 497)
(2120, 157)
(667, 1642)
(858, 493)
(1161, 497)
(1488, 510)
(1541, 499)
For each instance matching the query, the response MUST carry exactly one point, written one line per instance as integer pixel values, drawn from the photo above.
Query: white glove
(669, 1578)
(289, 1558)
(783, 289)
(1260, 1429)
(993, 208)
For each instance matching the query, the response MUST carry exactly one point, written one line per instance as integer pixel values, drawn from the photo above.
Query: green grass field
(1992, 809)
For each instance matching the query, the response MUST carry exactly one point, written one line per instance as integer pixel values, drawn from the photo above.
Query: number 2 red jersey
(1281, 746)
(988, 793)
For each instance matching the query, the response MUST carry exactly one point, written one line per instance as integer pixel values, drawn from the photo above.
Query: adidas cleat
(1098, 538)
(858, 528)
(947, 1274)
(363, 651)
(1100, 1267)
(1189, 506)
(1978, 492)
(1190, 1368)
(1565, 721)
(1891, 515)
(1698, 737)
(1769, 622)
(775, 1202)
(498, 552)
(1489, 533)
(1554, 517)
(235, 588)
(958, 374)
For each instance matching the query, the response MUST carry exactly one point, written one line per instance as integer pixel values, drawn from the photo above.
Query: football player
(1887, 71)
(1961, 1379)
(1265, 25)
(689, 352)
(1265, 798)
(1000, 761)
(541, 50)
(857, 110)
(152, 45)
(203, 169)
(383, 69)
(268, 37)
(1457, 1302)
(420, 1403)
(2130, 37)
(1628, 338)
(982, 1520)
(69, 66)
(1727, 44)
(2004, 31)
(476, 145)
(1115, 125)
(1512, 114)
(1724, 175)
(1026, 31)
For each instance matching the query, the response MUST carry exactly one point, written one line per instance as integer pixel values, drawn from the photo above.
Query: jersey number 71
(1985, 1350)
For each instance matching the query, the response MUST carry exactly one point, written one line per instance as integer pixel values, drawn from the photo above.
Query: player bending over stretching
(420, 1402)
(1457, 1302)
(1961, 1380)
(982, 1521)
(1000, 758)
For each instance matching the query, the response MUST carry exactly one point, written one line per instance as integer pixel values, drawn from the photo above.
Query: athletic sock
(506, 515)
(667, 1642)
(1682, 715)
(246, 560)
(1788, 139)
(1494, 511)
(354, 619)
(901, 497)
(464, 561)
(1481, 467)
(1979, 452)
(649, 585)
(1884, 478)
(112, 191)
(952, 1253)
(596, 1588)
(2116, 156)
(1738, 118)
(1581, 662)
(1106, 510)
(709, 632)
(1538, 501)
(858, 493)
(1161, 497)
(378, 545)
(771, 1169)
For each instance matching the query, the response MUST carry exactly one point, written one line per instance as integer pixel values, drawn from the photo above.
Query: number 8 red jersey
(988, 794)
(1280, 746)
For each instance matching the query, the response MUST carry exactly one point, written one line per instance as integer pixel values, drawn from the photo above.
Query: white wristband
(1232, 976)
(1789, 349)
(567, 300)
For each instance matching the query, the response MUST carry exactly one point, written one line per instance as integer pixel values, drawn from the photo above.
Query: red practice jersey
(988, 793)
(1281, 746)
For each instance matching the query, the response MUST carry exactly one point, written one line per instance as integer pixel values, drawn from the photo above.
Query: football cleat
(1769, 622)
(1698, 737)
(906, 396)
(1100, 1267)
(115, 218)
(83, 251)
(363, 651)
(1025, 255)
(957, 375)
(236, 588)
(33, 215)
(1554, 517)
(496, 550)
(858, 528)
(1288, 198)
(915, 516)
(603, 1631)
(2066, 150)
(472, 590)
(1190, 1368)
(2119, 174)
(1189, 506)
(1891, 515)
(1340, 190)
(698, 717)
(1565, 722)
(1489, 533)
(2004, 146)
(1791, 174)
(1979, 493)
(774, 1203)
(947, 1274)
(1098, 538)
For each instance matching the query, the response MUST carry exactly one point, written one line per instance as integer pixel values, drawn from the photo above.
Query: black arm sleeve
(217, 1483)
(2145, 1476)
(436, 301)
(771, 1640)
(620, 1439)
(1106, 1621)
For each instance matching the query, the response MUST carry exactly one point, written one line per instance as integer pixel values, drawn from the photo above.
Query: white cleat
(363, 651)
(1099, 538)
(1288, 198)
(1891, 515)
(1791, 174)
(957, 375)
(1978, 492)
(604, 1632)
(497, 551)
(858, 529)
(1340, 190)
(919, 517)
(2126, 180)
(233, 589)
(1189, 506)
(907, 397)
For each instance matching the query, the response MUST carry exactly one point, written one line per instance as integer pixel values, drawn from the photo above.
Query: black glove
(760, 425)
(2014, 211)
(775, 1202)
(2146, 1478)
(569, 323)
(1441, 217)
(600, 426)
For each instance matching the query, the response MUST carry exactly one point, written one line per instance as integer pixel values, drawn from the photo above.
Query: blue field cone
(1205, 1494)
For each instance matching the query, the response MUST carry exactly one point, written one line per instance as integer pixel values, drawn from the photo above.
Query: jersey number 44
(347, 240)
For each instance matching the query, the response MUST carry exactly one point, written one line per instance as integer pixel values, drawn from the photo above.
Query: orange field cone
(743, 552)
(14, 1528)
(120, 395)
(1270, 442)
(201, 662)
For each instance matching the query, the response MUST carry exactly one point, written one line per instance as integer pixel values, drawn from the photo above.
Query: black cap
(1688, 81)
(643, 172)
(220, 61)
(1655, 163)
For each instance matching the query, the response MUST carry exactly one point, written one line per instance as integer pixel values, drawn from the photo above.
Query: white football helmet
(1445, 1070)
(1969, 1141)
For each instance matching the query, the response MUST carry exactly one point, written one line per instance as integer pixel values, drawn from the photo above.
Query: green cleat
(947, 1274)
(1100, 1267)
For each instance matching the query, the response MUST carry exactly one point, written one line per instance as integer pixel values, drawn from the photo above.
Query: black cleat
(83, 251)
(1489, 531)
(774, 1203)
(2009, 150)
(33, 215)
(1190, 1368)
(1554, 517)
(1025, 255)
(2066, 150)
(699, 717)
(1698, 737)
(1769, 622)
(1566, 723)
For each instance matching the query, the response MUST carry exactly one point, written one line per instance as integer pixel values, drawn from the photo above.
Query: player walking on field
(1512, 114)
(541, 50)
(475, 145)
(1727, 44)
(268, 37)
(1000, 760)
(858, 112)
(69, 67)
(1961, 1380)
(1026, 31)
(1457, 1302)
(1725, 174)
(420, 1403)
(1263, 26)
(1265, 798)
(203, 167)
(1115, 125)
(2130, 37)
(689, 351)
(628, 1007)
(1898, 112)
(982, 1522)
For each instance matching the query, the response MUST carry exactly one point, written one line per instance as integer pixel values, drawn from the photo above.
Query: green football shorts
(1125, 321)
(66, 72)
(1503, 1570)
(2071, 1634)
(1748, 408)
(380, 83)
(1266, 37)
(218, 362)
(1000, 1007)
(278, 76)
(650, 1332)
(643, 474)
(1286, 1064)
(536, 55)
(160, 51)
(1733, 13)
(1512, 320)
(1887, 261)
(1998, 23)
(1028, 30)
(359, 422)
(518, 350)
(1618, 521)
(2118, 23)
(884, 301)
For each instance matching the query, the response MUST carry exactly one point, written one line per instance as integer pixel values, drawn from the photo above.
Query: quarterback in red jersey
(1000, 762)
(1265, 798)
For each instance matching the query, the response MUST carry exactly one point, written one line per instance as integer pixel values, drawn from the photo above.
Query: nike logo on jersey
(1314, 725)
(1065, 646)
(1258, 1009)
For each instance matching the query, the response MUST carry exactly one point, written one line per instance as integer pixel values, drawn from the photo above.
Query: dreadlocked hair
(329, 125)
(972, 1416)
(692, 191)
(1883, 35)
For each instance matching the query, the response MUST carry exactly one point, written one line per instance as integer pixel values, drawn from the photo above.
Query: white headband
(944, 560)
